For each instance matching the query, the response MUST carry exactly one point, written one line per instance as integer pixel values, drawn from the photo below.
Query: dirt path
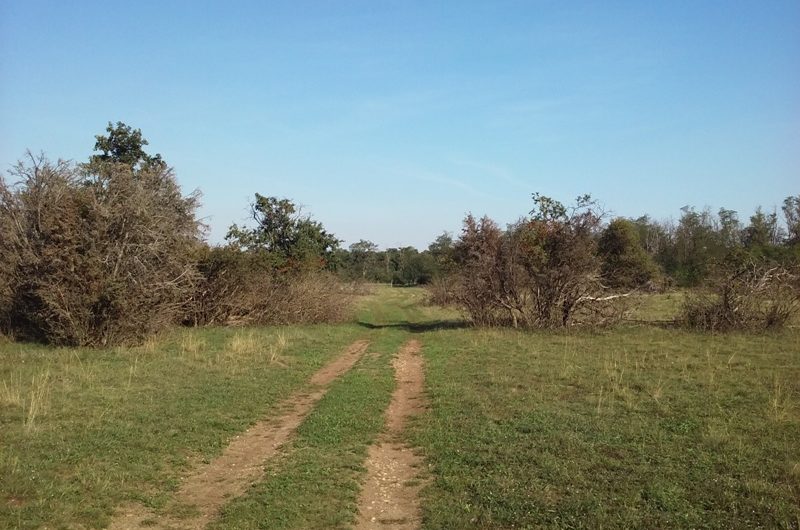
(242, 462)
(390, 496)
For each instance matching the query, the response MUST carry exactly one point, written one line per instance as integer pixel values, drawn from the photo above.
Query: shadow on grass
(419, 327)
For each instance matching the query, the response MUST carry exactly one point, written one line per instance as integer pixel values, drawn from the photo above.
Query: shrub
(95, 257)
(744, 296)
(541, 272)
(245, 288)
(442, 291)
(625, 262)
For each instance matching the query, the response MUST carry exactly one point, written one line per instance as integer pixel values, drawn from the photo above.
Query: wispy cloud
(495, 171)
(432, 177)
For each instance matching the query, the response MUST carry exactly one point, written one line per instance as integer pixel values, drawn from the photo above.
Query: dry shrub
(94, 259)
(442, 291)
(542, 272)
(751, 296)
(243, 288)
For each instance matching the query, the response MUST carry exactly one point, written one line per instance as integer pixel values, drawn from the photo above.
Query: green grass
(638, 427)
(115, 426)
(633, 427)
(316, 483)
(659, 307)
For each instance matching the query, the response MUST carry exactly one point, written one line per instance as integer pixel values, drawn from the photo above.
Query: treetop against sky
(390, 120)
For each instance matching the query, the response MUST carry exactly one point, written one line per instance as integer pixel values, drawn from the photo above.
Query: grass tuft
(37, 401)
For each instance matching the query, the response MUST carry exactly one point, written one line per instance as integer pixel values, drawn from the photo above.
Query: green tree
(625, 262)
(363, 256)
(696, 245)
(122, 145)
(442, 252)
(287, 237)
(730, 229)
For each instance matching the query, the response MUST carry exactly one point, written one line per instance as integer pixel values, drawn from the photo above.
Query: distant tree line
(633, 251)
(110, 251)
(364, 261)
(565, 264)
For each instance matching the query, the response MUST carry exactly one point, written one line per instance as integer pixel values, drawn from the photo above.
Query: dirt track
(390, 495)
(242, 462)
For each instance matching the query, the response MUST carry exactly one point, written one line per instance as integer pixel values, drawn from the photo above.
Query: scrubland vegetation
(581, 370)
(110, 252)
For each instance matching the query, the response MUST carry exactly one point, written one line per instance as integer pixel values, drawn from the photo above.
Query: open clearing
(636, 427)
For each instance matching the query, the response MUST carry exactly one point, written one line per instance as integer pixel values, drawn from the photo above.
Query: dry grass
(38, 399)
(192, 344)
(11, 391)
(780, 401)
(151, 344)
(32, 400)
(243, 343)
(248, 347)
(278, 347)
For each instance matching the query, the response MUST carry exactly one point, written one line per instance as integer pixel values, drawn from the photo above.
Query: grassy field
(635, 427)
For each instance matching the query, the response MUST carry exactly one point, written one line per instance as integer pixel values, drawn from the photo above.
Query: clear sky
(389, 121)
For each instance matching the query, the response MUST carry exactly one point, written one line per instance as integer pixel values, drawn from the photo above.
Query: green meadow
(640, 426)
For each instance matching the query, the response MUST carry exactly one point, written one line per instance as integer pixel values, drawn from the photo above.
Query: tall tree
(363, 255)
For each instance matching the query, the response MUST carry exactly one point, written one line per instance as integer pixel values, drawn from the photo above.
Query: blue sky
(390, 120)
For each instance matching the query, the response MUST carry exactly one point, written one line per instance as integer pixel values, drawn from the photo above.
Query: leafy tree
(363, 257)
(283, 234)
(409, 266)
(123, 145)
(625, 262)
(730, 229)
(442, 251)
(657, 239)
(695, 246)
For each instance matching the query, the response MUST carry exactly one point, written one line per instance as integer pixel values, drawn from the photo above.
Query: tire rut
(241, 464)
(390, 494)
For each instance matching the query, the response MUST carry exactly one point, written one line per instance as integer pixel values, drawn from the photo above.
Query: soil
(390, 495)
(242, 463)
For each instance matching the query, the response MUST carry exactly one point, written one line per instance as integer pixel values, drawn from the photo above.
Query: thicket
(543, 271)
(111, 251)
(564, 265)
(276, 272)
(749, 295)
(94, 254)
